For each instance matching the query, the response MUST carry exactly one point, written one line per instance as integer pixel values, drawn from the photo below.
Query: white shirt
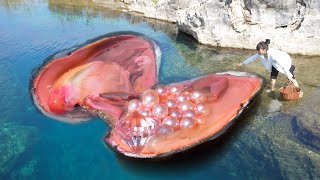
(276, 58)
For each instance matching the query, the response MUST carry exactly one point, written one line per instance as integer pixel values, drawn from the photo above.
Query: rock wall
(292, 25)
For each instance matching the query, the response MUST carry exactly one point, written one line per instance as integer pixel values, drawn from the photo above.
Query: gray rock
(292, 26)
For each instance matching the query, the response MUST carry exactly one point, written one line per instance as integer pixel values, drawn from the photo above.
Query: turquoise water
(33, 146)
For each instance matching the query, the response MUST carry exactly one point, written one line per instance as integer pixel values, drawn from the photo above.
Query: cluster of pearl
(174, 107)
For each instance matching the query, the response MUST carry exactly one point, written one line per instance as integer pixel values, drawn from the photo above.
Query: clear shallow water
(262, 145)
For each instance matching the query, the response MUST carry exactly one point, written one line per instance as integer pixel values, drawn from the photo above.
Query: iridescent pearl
(187, 123)
(200, 120)
(164, 130)
(198, 97)
(201, 109)
(145, 112)
(175, 90)
(185, 105)
(162, 91)
(171, 104)
(134, 105)
(171, 121)
(175, 113)
(187, 89)
(160, 111)
(190, 113)
(182, 97)
(149, 98)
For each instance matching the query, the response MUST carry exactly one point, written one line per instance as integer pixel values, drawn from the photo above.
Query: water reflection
(78, 10)
(11, 5)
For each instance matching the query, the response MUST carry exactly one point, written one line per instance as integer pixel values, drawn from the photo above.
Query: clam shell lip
(44, 76)
(163, 155)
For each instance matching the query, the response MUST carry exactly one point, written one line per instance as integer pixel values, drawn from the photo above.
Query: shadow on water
(180, 164)
(305, 136)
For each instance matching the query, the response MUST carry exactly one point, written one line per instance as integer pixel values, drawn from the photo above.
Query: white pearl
(187, 123)
(160, 111)
(171, 121)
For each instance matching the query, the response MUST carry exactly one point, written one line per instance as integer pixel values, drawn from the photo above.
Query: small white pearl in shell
(175, 113)
(162, 90)
(185, 105)
(160, 111)
(175, 90)
(201, 109)
(182, 97)
(198, 97)
(190, 113)
(171, 121)
(187, 123)
(171, 104)
(149, 98)
(133, 105)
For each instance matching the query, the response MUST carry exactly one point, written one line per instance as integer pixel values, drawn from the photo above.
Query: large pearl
(190, 113)
(160, 111)
(185, 105)
(202, 110)
(187, 123)
(149, 98)
(171, 104)
(171, 121)
(134, 105)
(175, 113)
(182, 97)
(164, 130)
(198, 97)
(162, 91)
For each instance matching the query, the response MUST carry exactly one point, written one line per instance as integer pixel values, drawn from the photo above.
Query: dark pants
(275, 72)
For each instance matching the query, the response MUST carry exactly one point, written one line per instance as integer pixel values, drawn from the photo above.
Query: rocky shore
(292, 25)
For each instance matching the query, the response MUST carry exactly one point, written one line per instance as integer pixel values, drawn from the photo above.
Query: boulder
(291, 25)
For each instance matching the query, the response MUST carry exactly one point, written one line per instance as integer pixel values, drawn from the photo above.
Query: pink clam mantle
(99, 77)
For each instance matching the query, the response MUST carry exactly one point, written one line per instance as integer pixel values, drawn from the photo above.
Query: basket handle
(288, 83)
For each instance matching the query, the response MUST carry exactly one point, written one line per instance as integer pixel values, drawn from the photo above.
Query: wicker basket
(290, 92)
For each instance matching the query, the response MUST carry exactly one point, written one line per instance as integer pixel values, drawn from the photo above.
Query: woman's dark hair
(263, 45)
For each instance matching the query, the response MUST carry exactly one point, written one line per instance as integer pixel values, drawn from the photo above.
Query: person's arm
(250, 59)
(287, 72)
(284, 61)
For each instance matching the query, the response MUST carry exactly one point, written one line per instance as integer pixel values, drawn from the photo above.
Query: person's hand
(291, 79)
(239, 64)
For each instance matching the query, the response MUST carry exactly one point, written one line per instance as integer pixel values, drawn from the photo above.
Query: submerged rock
(15, 140)
(306, 124)
(271, 148)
